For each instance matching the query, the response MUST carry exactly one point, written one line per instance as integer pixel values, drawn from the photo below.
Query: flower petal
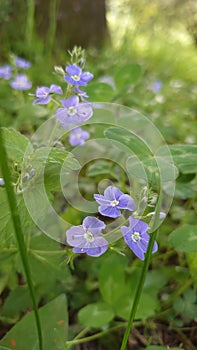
(73, 69)
(94, 225)
(126, 202)
(137, 225)
(56, 89)
(112, 212)
(75, 236)
(70, 102)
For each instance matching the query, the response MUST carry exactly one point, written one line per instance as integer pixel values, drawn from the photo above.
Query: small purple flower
(86, 238)
(80, 93)
(5, 71)
(21, 82)
(76, 76)
(78, 136)
(136, 237)
(2, 183)
(22, 63)
(113, 201)
(43, 93)
(156, 86)
(73, 112)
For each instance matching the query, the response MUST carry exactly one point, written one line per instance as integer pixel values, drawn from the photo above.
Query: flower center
(114, 203)
(71, 111)
(75, 77)
(89, 236)
(136, 237)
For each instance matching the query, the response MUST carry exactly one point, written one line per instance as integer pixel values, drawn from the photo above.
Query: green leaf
(17, 301)
(185, 157)
(15, 144)
(54, 320)
(127, 75)
(96, 315)
(146, 308)
(111, 277)
(184, 238)
(100, 92)
(101, 167)
(158, 347)
(192, 263)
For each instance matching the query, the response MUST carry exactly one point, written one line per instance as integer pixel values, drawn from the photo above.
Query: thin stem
(18, 233)
(93, 337)
(142, 277)
(30, 22)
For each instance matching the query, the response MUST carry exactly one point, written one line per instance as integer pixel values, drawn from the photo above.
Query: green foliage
(96, 315)
(54, 320)
(184, 238)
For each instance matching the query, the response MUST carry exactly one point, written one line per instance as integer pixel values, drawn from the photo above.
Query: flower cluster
(86, 238)
(19, 80)
(74, 109)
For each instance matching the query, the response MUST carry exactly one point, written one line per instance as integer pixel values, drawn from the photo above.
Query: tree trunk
(77, 22)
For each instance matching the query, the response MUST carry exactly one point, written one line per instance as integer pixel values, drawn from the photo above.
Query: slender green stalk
(18, 232)
(52, 25)
(30, 22)
(93, 337)
(142, 277)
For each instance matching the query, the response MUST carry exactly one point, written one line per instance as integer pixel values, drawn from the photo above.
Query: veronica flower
(2, 183)
(156, 86)
(78, 136)
(5, 71)
(86, 238)
(76, 76)
(113, 201)
(136, 237)
(21, 82)
(22, 63)
(73, 112)
(43, 93)
(80, 93)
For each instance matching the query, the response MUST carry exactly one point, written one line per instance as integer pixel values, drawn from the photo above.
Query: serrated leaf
(54, 319)
(96, 315)
(15, 144)
(184, 238)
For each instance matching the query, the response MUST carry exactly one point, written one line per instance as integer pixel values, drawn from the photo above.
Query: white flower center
(75, 77)
(89, 236)
(72, 111)
(136, 237)
(114, 203)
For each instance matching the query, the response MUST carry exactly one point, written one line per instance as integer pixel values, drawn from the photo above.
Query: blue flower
(21, 82)
(43, 93)
(73, 112)
(113, 201)
(156, 86)
(76, 76)
(5, 71)
(80, 93)
(136, 237)
(2, 183)
(22, 63)
(78, 136)
(86, 238)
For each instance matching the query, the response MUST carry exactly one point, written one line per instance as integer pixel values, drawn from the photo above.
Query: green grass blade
(18, 232)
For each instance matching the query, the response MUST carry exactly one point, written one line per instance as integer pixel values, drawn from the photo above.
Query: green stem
(30, 22)
(93, 337)
(18, 232)
(142, 277)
